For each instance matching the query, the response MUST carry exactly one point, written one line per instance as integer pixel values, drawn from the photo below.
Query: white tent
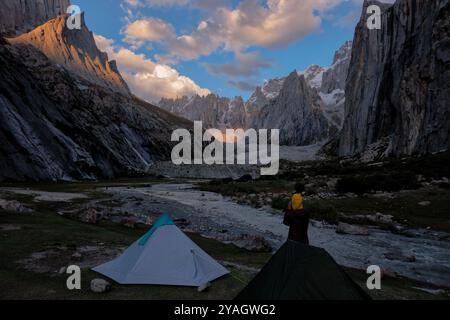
(163, 256)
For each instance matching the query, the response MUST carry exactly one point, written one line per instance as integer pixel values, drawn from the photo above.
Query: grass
(404, 207)
(43, 230)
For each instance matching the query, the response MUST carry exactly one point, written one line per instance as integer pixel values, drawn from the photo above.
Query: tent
(301, 272)
(163, 256)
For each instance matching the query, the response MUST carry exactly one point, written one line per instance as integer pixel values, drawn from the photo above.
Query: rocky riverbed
(424, 257)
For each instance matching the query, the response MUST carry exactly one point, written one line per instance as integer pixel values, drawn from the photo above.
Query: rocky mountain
(18, 16)
(76, 51)
(262, 97)
(335, 76)
(215, 111)
(65, 112)
(397, 91)
(55, 125)
(320, 100)
(296, 112)
(314, 76)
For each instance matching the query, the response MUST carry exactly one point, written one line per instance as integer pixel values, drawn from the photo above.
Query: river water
(432, 263)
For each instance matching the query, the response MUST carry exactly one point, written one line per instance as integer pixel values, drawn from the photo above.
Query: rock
(100, 286)
(77, 51)
(182, 222)
(252, 243)
(214, 111)
(396, 256)
(204, 287)
(335, 77)
(424, 203)
(150, 220)
(77, 255)
(90, 215)
(129, 222)
(389, 77)
(315, 104)
(383, 218)
(436, 292)
(71, 128)
(13, 206)
(345, 228)
(21, 16)
(87, 215)
(388, 274)
(296, 104)
(9, 227)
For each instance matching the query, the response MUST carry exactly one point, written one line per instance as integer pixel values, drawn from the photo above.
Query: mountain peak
(76, 51)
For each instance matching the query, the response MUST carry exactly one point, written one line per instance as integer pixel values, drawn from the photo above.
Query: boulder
(252, 243)
(90, 215)
(100, 286)
(86, 215)
(345, 228)
(388, 274)
(13, 206)
(396, 256)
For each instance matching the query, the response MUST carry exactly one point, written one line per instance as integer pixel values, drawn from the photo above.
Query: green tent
(301, 272)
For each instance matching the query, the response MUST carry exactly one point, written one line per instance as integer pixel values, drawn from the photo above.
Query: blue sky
(224, 54)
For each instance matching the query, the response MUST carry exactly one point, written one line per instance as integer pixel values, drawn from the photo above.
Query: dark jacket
(298, 222)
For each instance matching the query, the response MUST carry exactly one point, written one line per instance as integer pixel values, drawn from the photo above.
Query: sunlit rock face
(397, 91)
(76, 51)
(56, 125)
(65, 111)
(18, 16)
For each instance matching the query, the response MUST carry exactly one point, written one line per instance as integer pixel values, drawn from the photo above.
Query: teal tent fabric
(301, 272)
(164, 220)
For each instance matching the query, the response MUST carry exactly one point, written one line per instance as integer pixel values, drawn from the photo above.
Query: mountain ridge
(328, 103)
(76, 51)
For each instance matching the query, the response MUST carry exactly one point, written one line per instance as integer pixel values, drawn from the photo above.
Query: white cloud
(276, 24)
(147, 79)
(148, 29)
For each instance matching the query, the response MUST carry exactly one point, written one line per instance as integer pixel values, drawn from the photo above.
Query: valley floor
(36, 245)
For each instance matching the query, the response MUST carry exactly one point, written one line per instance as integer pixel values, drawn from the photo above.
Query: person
(297, 217)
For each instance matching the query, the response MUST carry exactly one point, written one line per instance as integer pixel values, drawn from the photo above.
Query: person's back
(296, 217)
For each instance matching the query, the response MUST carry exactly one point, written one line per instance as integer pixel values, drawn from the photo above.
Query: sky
(172, 48)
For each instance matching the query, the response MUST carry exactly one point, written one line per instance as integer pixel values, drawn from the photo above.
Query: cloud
(133, 3)
(148, 29)
(246, 64)
(252, 23)
(203, 4)
(243, 85)
(147, 79)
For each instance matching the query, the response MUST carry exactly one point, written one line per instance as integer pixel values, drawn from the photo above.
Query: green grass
(43, 230)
